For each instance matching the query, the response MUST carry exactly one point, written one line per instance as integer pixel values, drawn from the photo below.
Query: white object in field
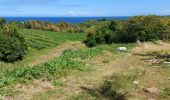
(122, 49)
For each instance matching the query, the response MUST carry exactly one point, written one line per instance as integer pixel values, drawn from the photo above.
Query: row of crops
(39, 39)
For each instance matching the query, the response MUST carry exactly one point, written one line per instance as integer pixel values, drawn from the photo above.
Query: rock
(121, 49)
(152, 90)
(154, 61)
(136, 82)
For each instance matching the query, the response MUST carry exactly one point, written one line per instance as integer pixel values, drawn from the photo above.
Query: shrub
(143, 28)
(12, 44)
(101, 35)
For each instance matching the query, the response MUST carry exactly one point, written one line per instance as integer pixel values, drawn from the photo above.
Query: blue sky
(83, 7)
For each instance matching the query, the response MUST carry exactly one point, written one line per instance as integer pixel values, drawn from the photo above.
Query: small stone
(121, 49)
(136, 82)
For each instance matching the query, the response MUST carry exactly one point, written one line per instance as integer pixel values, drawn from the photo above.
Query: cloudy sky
(83, 7)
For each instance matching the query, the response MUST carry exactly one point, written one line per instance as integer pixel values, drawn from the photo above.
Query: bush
(2, 21)
(12, 44)
(102, 35)
(143, 28)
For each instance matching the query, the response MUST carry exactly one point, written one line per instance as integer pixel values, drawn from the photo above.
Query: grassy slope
(70, 60)
(41, 42)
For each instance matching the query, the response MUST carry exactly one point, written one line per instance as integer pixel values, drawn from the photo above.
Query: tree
(2, 21)
(12, 44)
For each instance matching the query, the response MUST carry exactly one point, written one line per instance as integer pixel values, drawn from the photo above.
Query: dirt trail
(76, 83)
(57, 52)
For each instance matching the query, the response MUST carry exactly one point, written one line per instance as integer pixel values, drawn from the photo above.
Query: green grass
(165, 92)
(57, 83)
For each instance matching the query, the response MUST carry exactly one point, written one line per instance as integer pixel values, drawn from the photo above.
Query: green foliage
(50, 70)
(102, 35)
(165, 92)
(57, 83)
(145, 28)
(142, 28)
(12, 44)
(2, 21)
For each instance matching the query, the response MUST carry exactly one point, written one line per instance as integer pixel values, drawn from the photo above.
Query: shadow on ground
(108, 94)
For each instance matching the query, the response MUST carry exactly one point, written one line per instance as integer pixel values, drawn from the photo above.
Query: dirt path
(57, 52)
(82, 81)
(75, 84)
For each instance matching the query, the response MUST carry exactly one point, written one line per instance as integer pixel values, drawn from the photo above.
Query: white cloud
(166, 11)
(82, 13)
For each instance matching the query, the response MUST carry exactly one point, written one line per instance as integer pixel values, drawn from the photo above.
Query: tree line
(138, 28)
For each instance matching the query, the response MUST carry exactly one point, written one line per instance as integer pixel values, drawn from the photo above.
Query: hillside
(94, 60)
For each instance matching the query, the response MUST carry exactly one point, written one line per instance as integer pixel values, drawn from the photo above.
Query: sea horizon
(69, 19)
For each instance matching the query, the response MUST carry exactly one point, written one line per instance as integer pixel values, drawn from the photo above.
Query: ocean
(59, 19)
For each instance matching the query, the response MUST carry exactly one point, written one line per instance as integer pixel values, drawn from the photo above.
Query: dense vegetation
(12, 43)
(59, 27)
(139, 28)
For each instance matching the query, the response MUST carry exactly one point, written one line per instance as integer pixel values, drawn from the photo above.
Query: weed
(57, 83)
(166, 92)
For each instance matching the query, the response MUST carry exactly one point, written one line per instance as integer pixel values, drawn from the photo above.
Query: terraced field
(41, 42)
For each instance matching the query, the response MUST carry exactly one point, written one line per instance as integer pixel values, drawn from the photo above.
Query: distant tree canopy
(59, 27)
(142, 28)
(12, 47)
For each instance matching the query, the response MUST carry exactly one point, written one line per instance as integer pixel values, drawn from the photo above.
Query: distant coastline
(59, 19)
